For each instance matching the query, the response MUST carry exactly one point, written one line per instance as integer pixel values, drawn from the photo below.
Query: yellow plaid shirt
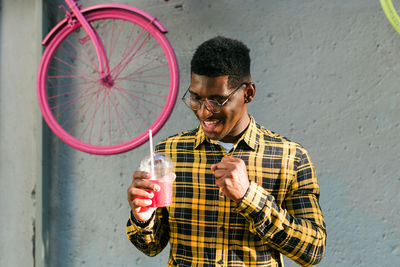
(280, 212)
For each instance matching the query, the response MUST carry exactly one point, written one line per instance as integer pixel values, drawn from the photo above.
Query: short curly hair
(221, 56)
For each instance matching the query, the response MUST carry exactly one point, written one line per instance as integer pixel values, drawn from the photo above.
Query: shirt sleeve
(297, 227)
(152, 238)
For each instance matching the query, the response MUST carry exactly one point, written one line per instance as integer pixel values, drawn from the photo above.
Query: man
(243, 195)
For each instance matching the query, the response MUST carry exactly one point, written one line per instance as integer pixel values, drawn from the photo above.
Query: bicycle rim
(391, 13)
(113, 114)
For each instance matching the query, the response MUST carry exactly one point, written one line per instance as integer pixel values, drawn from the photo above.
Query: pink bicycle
(107, 76)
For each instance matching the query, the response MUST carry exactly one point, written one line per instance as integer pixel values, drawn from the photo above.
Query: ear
(249, 93)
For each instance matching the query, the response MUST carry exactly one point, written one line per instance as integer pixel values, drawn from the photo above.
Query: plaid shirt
(280, 212)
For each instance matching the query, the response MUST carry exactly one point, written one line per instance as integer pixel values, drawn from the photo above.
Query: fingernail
(157, 188)
(148, 202)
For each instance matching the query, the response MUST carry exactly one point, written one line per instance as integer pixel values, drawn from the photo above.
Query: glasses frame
(207, 101)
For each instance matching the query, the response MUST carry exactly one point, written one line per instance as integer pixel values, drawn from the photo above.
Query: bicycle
(391, 13)
(108, 75)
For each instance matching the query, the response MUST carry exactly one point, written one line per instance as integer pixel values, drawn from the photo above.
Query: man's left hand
(231, 177)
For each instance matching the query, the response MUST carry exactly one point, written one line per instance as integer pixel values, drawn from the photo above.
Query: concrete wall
(20, 130)
(327, 75)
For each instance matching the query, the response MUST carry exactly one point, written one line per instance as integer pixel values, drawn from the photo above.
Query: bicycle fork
(105, 76)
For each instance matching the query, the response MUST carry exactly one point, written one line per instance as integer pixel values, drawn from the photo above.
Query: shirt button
(221, 262)
(222, 228)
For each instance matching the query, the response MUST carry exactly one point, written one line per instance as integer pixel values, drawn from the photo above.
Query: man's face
(232, 120)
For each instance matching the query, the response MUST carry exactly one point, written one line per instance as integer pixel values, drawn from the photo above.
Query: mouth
(210, 125)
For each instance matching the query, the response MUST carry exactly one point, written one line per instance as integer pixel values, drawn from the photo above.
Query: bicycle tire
(99, 119)
(391, 14)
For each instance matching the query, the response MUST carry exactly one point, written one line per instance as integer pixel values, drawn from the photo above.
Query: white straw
(151, 154)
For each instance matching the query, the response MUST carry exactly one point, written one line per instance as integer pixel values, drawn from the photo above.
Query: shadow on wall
(58, 177)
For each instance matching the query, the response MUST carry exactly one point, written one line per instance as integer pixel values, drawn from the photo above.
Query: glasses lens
(195, 104)
(212, 105)
(191, 102)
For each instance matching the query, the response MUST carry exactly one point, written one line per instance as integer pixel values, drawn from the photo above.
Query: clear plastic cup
(163, 176)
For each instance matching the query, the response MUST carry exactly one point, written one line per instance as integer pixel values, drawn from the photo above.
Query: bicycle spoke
(147, 82)
(121, 66)
(135, 78)
(143, 92)
(126, 53)
(73, 115)
(138, 112)
(78, 59)
(72, 101)
(141, 69)
(72, 67)
(112, 47)
(66, 93)
(117, 119)
(68, 85)
(83, 115)
(137, 98)
(102, 120)
(109, 122)
(78, 111)
(126, 92)
(120, 117)
(127, 113)
(91, 121)
(69, 75)
(129, 39)
(145, 53)
(83, 52)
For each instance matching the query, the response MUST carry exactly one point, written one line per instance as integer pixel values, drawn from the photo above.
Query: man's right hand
(138, 197)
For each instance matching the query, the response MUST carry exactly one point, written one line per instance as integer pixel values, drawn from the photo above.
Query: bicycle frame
(101, 55)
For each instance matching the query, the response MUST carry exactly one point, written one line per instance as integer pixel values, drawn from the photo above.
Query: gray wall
(20, 130)
(327, 75)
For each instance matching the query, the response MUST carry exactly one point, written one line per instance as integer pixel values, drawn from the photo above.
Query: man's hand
(231, 177)
(138, 197)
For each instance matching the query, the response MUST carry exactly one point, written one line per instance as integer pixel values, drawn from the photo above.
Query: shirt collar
(250, 136)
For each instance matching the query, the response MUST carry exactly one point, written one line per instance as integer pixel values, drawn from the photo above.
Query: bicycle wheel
(391, 13)
(110, 117)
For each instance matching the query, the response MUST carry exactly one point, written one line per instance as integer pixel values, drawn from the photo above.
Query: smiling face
(233, 119)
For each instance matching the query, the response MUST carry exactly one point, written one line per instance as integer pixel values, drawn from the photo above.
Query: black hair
(221, 56)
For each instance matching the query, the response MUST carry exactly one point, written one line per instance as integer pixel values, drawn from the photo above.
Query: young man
(243, 195)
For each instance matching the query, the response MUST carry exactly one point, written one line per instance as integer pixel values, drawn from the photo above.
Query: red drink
(162, 174)
(163, 197)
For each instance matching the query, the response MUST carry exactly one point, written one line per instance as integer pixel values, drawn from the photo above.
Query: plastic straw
(151, 153)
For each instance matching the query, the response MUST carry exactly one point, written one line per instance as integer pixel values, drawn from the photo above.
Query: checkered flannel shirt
(279, 214)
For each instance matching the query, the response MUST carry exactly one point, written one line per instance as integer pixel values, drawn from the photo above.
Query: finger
(220, 173)
(141, 175)
(137, 192)
(142, 209)
(221, 183)
(141, 202)
(230, 159)
(214, 167)
(146, 184)
(224, 166)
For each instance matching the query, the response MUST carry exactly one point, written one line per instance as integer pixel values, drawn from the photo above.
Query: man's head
(220, 88)
(222, 56)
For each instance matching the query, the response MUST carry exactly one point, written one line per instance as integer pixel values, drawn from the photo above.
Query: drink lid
(163, 165)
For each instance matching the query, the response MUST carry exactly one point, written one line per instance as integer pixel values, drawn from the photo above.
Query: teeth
(210, 122)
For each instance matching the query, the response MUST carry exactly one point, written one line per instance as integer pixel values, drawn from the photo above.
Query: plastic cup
(163, 176)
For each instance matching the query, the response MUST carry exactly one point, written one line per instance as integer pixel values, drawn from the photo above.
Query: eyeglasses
(211, 105)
